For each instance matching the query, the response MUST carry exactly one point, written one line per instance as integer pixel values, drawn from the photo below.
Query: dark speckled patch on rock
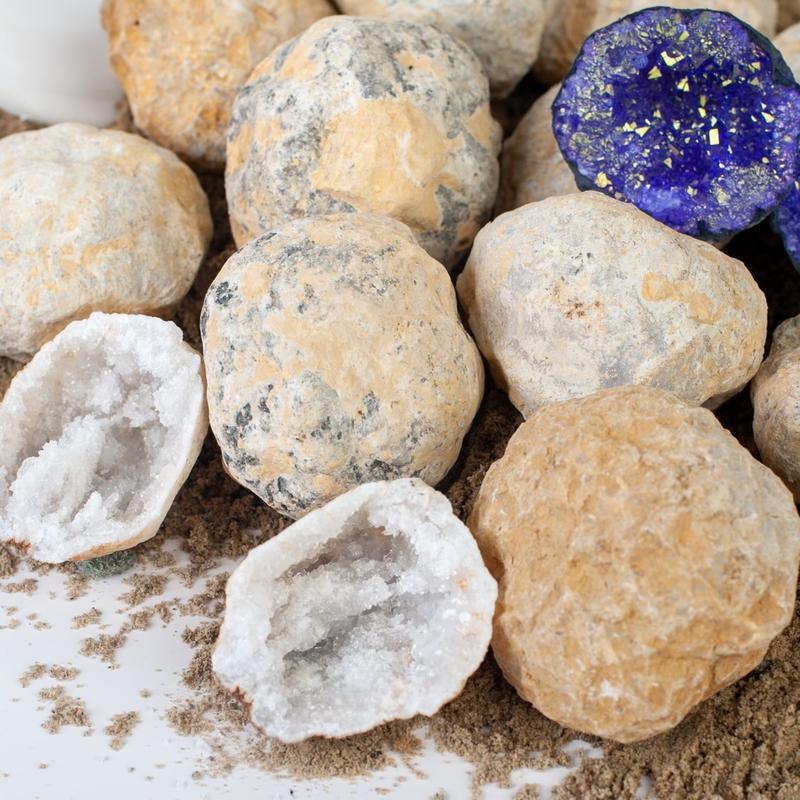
(692, 116)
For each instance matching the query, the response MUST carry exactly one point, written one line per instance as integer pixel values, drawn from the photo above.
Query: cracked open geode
(99, 432)
(693, 116)
(376, 607)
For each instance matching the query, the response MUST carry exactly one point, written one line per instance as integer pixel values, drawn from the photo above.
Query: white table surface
(156, 762)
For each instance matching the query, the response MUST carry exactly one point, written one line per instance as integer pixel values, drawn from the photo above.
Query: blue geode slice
(786, 222)
(693, 116)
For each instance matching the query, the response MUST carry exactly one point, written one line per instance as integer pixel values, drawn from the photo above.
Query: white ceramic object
(53, 62)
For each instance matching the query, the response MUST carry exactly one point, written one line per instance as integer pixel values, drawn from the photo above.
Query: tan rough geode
(788, 42)
(775, 393)
(581, 292)
(504, 34)
(531, 166)
(181, 62)
(92, 220)
(335, 357)
(573, 20)
(788, 13)
(645, 560)
(366, 115)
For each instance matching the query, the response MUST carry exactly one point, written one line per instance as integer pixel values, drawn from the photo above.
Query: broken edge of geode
(100, 430)
(781, 75)
(375, 607)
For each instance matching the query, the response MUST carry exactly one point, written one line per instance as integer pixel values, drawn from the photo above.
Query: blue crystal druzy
(692, 116)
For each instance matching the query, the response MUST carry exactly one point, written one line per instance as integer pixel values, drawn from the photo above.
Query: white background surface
(155, 762)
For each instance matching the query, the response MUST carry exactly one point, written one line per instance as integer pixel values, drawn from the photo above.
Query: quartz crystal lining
(692, 116)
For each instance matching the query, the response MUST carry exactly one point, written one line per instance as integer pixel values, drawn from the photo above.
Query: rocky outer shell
(572, 21)
(181, 62)
(532, 167)
(365, 115)
(788, 42)
(645, 560)
(334, 357)
(788, 13)
(92, 220)
(504, 34)
(581, 292)
(776, 401)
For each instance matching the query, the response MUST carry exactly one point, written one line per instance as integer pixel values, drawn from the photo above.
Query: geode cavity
(692, 116)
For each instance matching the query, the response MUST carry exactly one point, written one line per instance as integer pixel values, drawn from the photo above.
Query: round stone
(690, 115)
(788, 42)
(366, 115)
(581, 292)
(571, 22)
(376, 607)
(645, 560)
(92, 220)
(100, 431)
(181, 62)
(788, 13)
(776, 402)
(532, 167)
(335, 357)
(504, 34)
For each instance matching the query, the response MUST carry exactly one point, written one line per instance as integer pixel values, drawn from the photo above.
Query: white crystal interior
(376, 607)
(99, 431)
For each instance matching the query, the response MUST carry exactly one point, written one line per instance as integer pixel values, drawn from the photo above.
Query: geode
(334, 357)
(376, 607)
(100, 430)
(645, 560)
(692, 116)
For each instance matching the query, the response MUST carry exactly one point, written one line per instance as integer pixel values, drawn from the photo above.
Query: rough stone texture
(573, 20)
(375, 607)
(504, 34)
(788, 13)
(92, 220)
(788, 42)
(181, 62)
(366, 115)
(334, 357)
(776, 401)
(689, 115)
(100, 430)
(532, 167)
(581, 292)
(645, 560)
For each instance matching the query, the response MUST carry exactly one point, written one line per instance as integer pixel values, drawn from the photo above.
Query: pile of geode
(626, 557)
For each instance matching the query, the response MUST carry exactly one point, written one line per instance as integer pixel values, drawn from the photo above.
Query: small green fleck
(106, 566)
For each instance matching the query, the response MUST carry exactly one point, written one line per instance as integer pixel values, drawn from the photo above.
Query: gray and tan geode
(776, 401)
(99, 432)
(581, 292)
(376, 607)
(645, 560)
(92, 220)
(366, 115)
(181, 62)
(504, 34)
(335, 357)
(531, 166)
(573, 20)
(788, 42)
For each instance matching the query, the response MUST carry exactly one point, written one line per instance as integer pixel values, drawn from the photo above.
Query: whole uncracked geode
(181, 62)
(692, 116)
(92, 220)
(776, 402)
(335, 357)
(366, 115)
(504, 34)
(645, 560)
(571, 21)
(580, 292)
(376, 607)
